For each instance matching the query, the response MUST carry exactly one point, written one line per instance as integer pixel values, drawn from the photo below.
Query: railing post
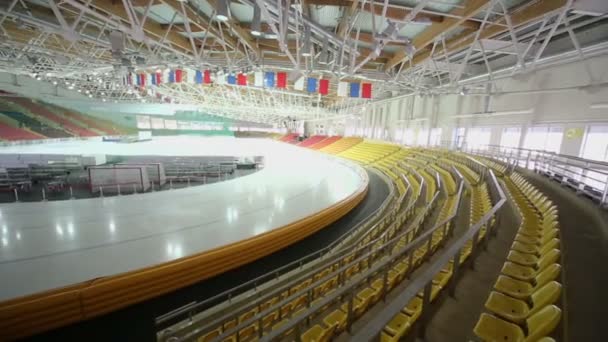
(71, 193)
(605, 194)
(170, 183)
(43, 195)
(188, 181)
(118, 187)
(100, 191)
(16, 192)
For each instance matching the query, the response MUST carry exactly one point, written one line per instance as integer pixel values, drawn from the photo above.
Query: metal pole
(71, 193)
(100, 191)
(170, 183)
(118, 185)
(188, 181)
(43, 195)
(16, 195)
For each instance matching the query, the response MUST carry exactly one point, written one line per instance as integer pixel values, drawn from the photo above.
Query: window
(435, 138)
(408, 136)
(422, 137)
(547, 138)
(595, 144)
(510, 137)
(478, 137)
(399, 135)
(458, 136)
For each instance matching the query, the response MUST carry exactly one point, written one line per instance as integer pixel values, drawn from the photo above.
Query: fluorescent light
(222, 10)
(307, 46)
(256, 24)
(490, 114)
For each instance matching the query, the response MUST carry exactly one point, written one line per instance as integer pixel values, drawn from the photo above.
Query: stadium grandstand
(303, 170)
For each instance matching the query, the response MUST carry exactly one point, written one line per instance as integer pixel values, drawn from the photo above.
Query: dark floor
(136, 323)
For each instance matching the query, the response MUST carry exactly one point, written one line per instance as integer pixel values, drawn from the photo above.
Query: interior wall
(558, 95)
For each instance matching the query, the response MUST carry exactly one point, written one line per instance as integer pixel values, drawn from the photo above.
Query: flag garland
(267, 79)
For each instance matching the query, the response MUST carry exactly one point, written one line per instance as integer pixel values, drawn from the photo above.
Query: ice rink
(52, 244)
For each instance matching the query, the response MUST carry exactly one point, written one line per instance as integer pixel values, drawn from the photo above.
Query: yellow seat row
(522, 305)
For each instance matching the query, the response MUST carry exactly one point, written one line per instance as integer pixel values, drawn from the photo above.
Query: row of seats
(325, 142)
(25, 121)
(522, 305)
(404, 321)
(389, 227)
(94, 125)
(13, 133)
(333, 319)
(42, 111)
(368, 152)
(335, 322)
(312, 140)
(389, 165)
(341, 145)
(289, 138)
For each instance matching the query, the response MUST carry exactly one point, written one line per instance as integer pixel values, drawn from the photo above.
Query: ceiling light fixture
(222, 10)
(256, 24)
(307, 46)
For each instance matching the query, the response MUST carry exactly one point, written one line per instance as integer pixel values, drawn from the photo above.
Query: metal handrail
(387, 246)
(343, 254)
(348, 289)
(188, 310)
(424, 280)
(555, 165)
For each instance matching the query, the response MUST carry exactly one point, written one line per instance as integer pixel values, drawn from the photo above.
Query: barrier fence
(585, 176)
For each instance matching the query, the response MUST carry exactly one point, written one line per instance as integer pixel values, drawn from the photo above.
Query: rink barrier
(33, 314)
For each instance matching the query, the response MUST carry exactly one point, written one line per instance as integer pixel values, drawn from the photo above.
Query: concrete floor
(455, 317)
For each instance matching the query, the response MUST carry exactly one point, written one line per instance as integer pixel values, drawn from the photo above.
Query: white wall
(552, 96)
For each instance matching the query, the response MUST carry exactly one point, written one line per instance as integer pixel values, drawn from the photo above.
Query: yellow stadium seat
(210, 335)
(528, 273)
(249, 333)
(516, 310)
(523, 289)
(317, 334)
(398, 326)
(526, 259)
(336, 319)
(491, 328)
(413, 309)
(539, 240)
(368, 296)
(384, 337)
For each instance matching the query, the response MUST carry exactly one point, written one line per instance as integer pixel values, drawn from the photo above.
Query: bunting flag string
(262, 79)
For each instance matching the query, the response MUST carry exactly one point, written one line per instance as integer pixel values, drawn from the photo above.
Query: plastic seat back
(551, 257)
(543, 322)
(549, 245)
(547, 275)
(546, 295)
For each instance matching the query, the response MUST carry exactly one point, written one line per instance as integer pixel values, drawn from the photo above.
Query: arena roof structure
(397, 47)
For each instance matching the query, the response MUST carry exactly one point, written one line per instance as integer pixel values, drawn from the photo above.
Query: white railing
(585, 176)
